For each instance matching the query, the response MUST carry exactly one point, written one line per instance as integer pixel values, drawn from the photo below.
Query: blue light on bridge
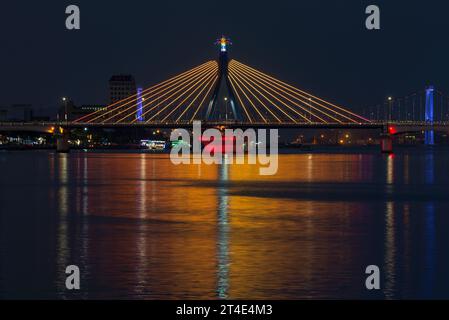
(429, 138)
(139, 116)
(429, 104)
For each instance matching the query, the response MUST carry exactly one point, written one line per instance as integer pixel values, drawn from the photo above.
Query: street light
(226, 109)
(390, 100)
(64, 99)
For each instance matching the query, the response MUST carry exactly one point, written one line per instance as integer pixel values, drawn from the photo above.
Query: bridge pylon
(223, 105)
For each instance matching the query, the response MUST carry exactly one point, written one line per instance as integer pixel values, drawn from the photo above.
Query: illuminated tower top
(223, 42)
(222, 105)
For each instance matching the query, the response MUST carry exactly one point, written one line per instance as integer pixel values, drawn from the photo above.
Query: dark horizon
(320, 46)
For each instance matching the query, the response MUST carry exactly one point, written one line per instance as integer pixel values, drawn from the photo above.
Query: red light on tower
(392, 130)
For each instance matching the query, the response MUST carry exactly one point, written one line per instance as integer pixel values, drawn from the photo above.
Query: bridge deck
(48, 126)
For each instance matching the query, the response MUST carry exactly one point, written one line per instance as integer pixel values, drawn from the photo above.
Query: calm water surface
(141, 228)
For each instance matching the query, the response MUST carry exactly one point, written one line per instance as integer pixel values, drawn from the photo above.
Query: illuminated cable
(157, 96)
(147, 100)
(154, 92)
(250, 101)
(243, 80)
(204, 98)
(257, 83)
(171, 96)
(311, 101)
(240, 100)
(203, 81)
(269, 84)
(303, 92)
(150, 88)
(211, 80)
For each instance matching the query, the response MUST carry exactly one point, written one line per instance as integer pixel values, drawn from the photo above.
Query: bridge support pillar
(62, 142)
(386, 143)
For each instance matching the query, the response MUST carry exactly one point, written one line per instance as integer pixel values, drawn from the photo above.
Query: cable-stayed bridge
(226, 93)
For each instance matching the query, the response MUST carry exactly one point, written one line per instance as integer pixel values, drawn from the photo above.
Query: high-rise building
(121, 87)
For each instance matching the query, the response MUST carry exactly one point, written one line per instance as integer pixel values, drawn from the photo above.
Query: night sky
(321, 46)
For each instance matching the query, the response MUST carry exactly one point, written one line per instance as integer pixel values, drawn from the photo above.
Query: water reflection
(430, 236)
(140, 228)
(390, 171)
(406, 169)
(390, 251)
(63, 232)
(430, 168)
(142, 244)
(85, 196)
(407, 247)
(223, 231)
(430, 251)
(84, 257)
